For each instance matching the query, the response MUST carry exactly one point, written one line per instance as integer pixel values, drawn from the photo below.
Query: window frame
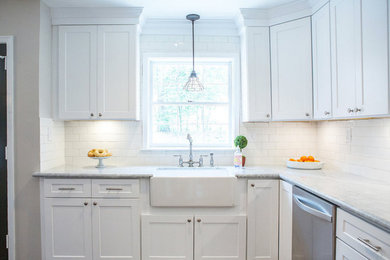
(147, 98)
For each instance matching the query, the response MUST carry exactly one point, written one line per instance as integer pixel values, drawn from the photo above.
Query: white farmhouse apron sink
(192, 187)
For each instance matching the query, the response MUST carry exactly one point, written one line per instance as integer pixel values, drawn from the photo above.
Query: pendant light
(193, 84)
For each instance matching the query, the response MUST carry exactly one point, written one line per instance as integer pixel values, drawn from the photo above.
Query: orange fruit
(299, 160)
(316, 161)
(293, 160)
(303, 158)
(310, 158)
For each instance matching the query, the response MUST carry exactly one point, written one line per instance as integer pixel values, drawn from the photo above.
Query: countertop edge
(276, 175)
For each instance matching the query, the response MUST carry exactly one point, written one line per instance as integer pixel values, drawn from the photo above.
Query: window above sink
(171, 112)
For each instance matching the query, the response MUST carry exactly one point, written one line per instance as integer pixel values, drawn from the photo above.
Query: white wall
(52, 133)
(268, 143)
(52, 143)
(358, 146)
(21, 19)
(45, 95)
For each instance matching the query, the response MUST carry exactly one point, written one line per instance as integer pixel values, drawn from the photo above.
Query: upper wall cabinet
(256, 77)
(291, 70)
(322, 78)
(359, 57)
(97, 72)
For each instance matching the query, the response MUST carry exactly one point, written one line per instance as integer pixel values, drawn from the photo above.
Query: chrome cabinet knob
(350, 110)
(189, 220)
(199, 220)
(358, 110)
(326, 113)
(100, 114)
(85, 203)
(252, 185)
(268, 115)
(307, 114)
(92, 114)
(94, 203)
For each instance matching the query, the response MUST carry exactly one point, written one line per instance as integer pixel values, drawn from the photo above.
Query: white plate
(305, 165)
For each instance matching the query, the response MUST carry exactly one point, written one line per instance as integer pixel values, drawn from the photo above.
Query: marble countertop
(365, 197)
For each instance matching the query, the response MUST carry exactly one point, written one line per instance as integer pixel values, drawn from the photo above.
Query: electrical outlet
(49, 134)
(349, 135)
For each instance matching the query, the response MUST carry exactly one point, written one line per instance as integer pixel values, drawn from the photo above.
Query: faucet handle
(211, 159)
(180, 159)
(201, 159)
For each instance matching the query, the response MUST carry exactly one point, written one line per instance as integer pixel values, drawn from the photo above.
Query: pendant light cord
(193, 47)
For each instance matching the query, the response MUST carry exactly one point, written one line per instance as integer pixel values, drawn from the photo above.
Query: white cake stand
(100, 164)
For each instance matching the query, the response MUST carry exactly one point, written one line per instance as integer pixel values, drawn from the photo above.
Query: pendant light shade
(193, 84)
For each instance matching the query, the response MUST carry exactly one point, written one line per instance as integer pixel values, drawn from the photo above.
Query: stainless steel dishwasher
(313, 227)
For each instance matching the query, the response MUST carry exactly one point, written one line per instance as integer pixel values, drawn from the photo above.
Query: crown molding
(217, 27)
(96, 15)
(280, 14)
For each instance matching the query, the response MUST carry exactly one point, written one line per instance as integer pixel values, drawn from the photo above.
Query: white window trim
(146, 100)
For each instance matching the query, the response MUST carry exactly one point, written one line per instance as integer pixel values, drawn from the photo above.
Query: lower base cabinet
(189, 237)
(115, 229)
(263, 212)
(68, 228)
(85, 228)
(345, 252)
(285, 221)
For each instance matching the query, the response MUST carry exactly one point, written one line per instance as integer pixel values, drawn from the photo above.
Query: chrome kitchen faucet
(191, 161)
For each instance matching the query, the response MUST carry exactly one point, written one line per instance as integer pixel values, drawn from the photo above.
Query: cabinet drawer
(62, 188)
(115, 188)
(343, 251)
(365, 238)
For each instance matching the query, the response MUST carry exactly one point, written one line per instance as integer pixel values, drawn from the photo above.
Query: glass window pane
(207, 124)
(169, 78)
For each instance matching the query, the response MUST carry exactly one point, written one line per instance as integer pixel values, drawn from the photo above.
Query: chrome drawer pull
(368, 243)
(114, 189)
(66, 188)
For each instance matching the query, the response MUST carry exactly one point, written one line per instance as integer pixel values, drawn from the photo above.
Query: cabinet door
(116, 229)
(263, 212)
(68, 229)
(291, 70)
(345, 252)
(322, 80)
(256, 78)
(285, 221)
(346, 55)
(373, 97)
(220, 237)
(77, 66)
(167, 237)
(117, 72)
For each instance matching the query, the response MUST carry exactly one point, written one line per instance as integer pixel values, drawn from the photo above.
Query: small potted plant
(241, 142)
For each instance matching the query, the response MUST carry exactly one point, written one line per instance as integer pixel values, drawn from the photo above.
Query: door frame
(9, 41)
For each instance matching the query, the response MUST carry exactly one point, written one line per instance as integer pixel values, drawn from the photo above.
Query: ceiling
(176, 9)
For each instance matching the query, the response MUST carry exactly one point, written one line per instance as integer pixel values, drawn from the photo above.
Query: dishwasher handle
(320, 214)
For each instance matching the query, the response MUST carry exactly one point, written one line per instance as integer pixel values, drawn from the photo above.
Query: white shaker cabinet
(167, 237)
(77, 72)
(291, 69)
(220, 237)
(359, 57)
(285, 221)
(256, 77)
(67, 229)
(117, 72)
(76, 225)
(263, 212)
(322, 78)
(98, 72)
(116, 229)
(373, 97)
